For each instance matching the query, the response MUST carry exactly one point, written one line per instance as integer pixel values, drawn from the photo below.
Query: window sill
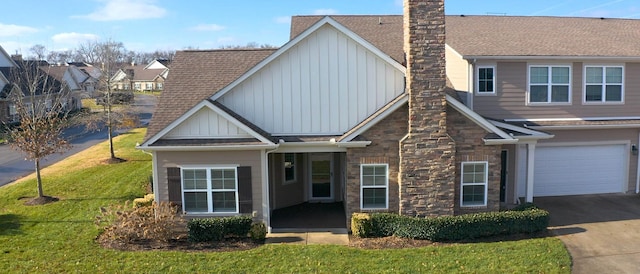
(473, 206)
(486, 93)
(210, 214)
(547, 104)
(602, 103)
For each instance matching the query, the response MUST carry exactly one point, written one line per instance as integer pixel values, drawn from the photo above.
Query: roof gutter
(499, 141)
(207, 148)
(550, 57)
(574, 127)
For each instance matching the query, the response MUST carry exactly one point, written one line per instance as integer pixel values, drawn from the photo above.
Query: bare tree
(110, 55)
(39, 51)
(87, 52)
(40, 102)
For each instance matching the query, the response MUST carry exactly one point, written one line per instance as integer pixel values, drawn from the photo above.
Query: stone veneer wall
(427, 155)
(470, 147)
(384, 138)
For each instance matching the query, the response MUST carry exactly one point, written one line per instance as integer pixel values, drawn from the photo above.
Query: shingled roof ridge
(223, 50)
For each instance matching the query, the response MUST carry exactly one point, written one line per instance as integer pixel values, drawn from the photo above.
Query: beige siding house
(573, 78)
(337, 117)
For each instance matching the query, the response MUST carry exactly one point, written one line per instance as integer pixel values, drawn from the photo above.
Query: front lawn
(60, 237)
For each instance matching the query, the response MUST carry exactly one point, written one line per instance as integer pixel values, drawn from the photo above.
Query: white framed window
(474, 180)
(13, 113)
(549, 84)
(374, 186)
(136, 86)
(603, 84)
(289, 167)
(159, 85)
(210, 190)
(486, 79)
(149, 86)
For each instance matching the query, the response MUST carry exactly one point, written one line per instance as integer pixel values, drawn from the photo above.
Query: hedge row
(216, 229)
(450, 228)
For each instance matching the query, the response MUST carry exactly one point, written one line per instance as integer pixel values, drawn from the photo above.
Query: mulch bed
(230, 244)
(39, 200)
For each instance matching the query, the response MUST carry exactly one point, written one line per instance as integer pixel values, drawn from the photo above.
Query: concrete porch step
(310, 236)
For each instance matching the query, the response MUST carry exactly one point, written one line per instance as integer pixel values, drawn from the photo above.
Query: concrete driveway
(602, 232)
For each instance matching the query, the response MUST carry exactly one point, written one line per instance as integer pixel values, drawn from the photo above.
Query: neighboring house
(148, 77)
(75, 79)
(328, 117)
(15, 68)
(574, 78)
(91, 83)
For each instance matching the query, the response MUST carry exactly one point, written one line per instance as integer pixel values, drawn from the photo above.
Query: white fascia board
(193, 110)
(552, 57)
(574, 119)
(479, 120)
(576, 127)
(377, 119)
(500, 141)
(115, 77)
(296, 40)
(3, 52)
(206, 148)
(518, 129)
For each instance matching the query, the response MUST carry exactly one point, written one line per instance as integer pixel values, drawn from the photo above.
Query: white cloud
(15, 30)
(208, 27)
(283, 19)
(325, 12)
(114, 10)
(73, 37)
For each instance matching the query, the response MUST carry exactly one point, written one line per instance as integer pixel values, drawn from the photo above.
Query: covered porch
(307, 191)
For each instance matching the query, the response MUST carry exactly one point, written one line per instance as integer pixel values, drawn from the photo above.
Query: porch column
(531, 149)
(266, 213)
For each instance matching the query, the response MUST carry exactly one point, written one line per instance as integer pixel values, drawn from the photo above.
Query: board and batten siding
(510, 100)
(205, 123)
(167, 159)
(324, 85)
(457, 70)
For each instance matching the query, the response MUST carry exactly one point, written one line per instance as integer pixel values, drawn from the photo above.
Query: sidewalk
(336, 237)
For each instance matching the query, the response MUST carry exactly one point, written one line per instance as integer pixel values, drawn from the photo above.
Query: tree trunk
(110, 125)
(39, 180)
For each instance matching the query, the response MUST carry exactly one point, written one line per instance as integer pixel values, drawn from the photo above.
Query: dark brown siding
(175, 185)
(244, 190)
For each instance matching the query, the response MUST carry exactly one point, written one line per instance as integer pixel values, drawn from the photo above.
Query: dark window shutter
(245, 199)
(175, 185)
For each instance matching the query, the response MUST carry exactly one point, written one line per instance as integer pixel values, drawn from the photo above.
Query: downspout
(638, 168)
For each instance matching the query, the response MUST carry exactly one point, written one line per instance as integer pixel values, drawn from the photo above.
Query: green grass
(59, 237)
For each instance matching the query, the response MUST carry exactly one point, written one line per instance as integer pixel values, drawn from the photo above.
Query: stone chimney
(427, 153)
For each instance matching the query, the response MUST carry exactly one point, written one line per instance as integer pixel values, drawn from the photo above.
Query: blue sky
(147, 25)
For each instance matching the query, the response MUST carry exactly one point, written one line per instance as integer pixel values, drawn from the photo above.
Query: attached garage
(577, 170)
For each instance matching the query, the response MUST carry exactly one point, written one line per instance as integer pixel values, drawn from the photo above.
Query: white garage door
(575, 170)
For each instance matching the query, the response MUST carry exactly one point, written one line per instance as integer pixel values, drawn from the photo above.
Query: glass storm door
(321, 177)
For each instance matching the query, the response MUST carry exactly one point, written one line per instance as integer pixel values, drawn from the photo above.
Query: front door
(503, 176)
(321, 177)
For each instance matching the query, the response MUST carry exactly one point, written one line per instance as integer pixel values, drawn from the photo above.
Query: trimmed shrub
(361, 225)
(147, 200)
(452, 228)
(216, 229)
(258, 232)
(525, 206)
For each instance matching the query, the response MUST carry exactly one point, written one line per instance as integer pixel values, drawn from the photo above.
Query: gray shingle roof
(543, 36)
(383, 31)
(195, 76)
